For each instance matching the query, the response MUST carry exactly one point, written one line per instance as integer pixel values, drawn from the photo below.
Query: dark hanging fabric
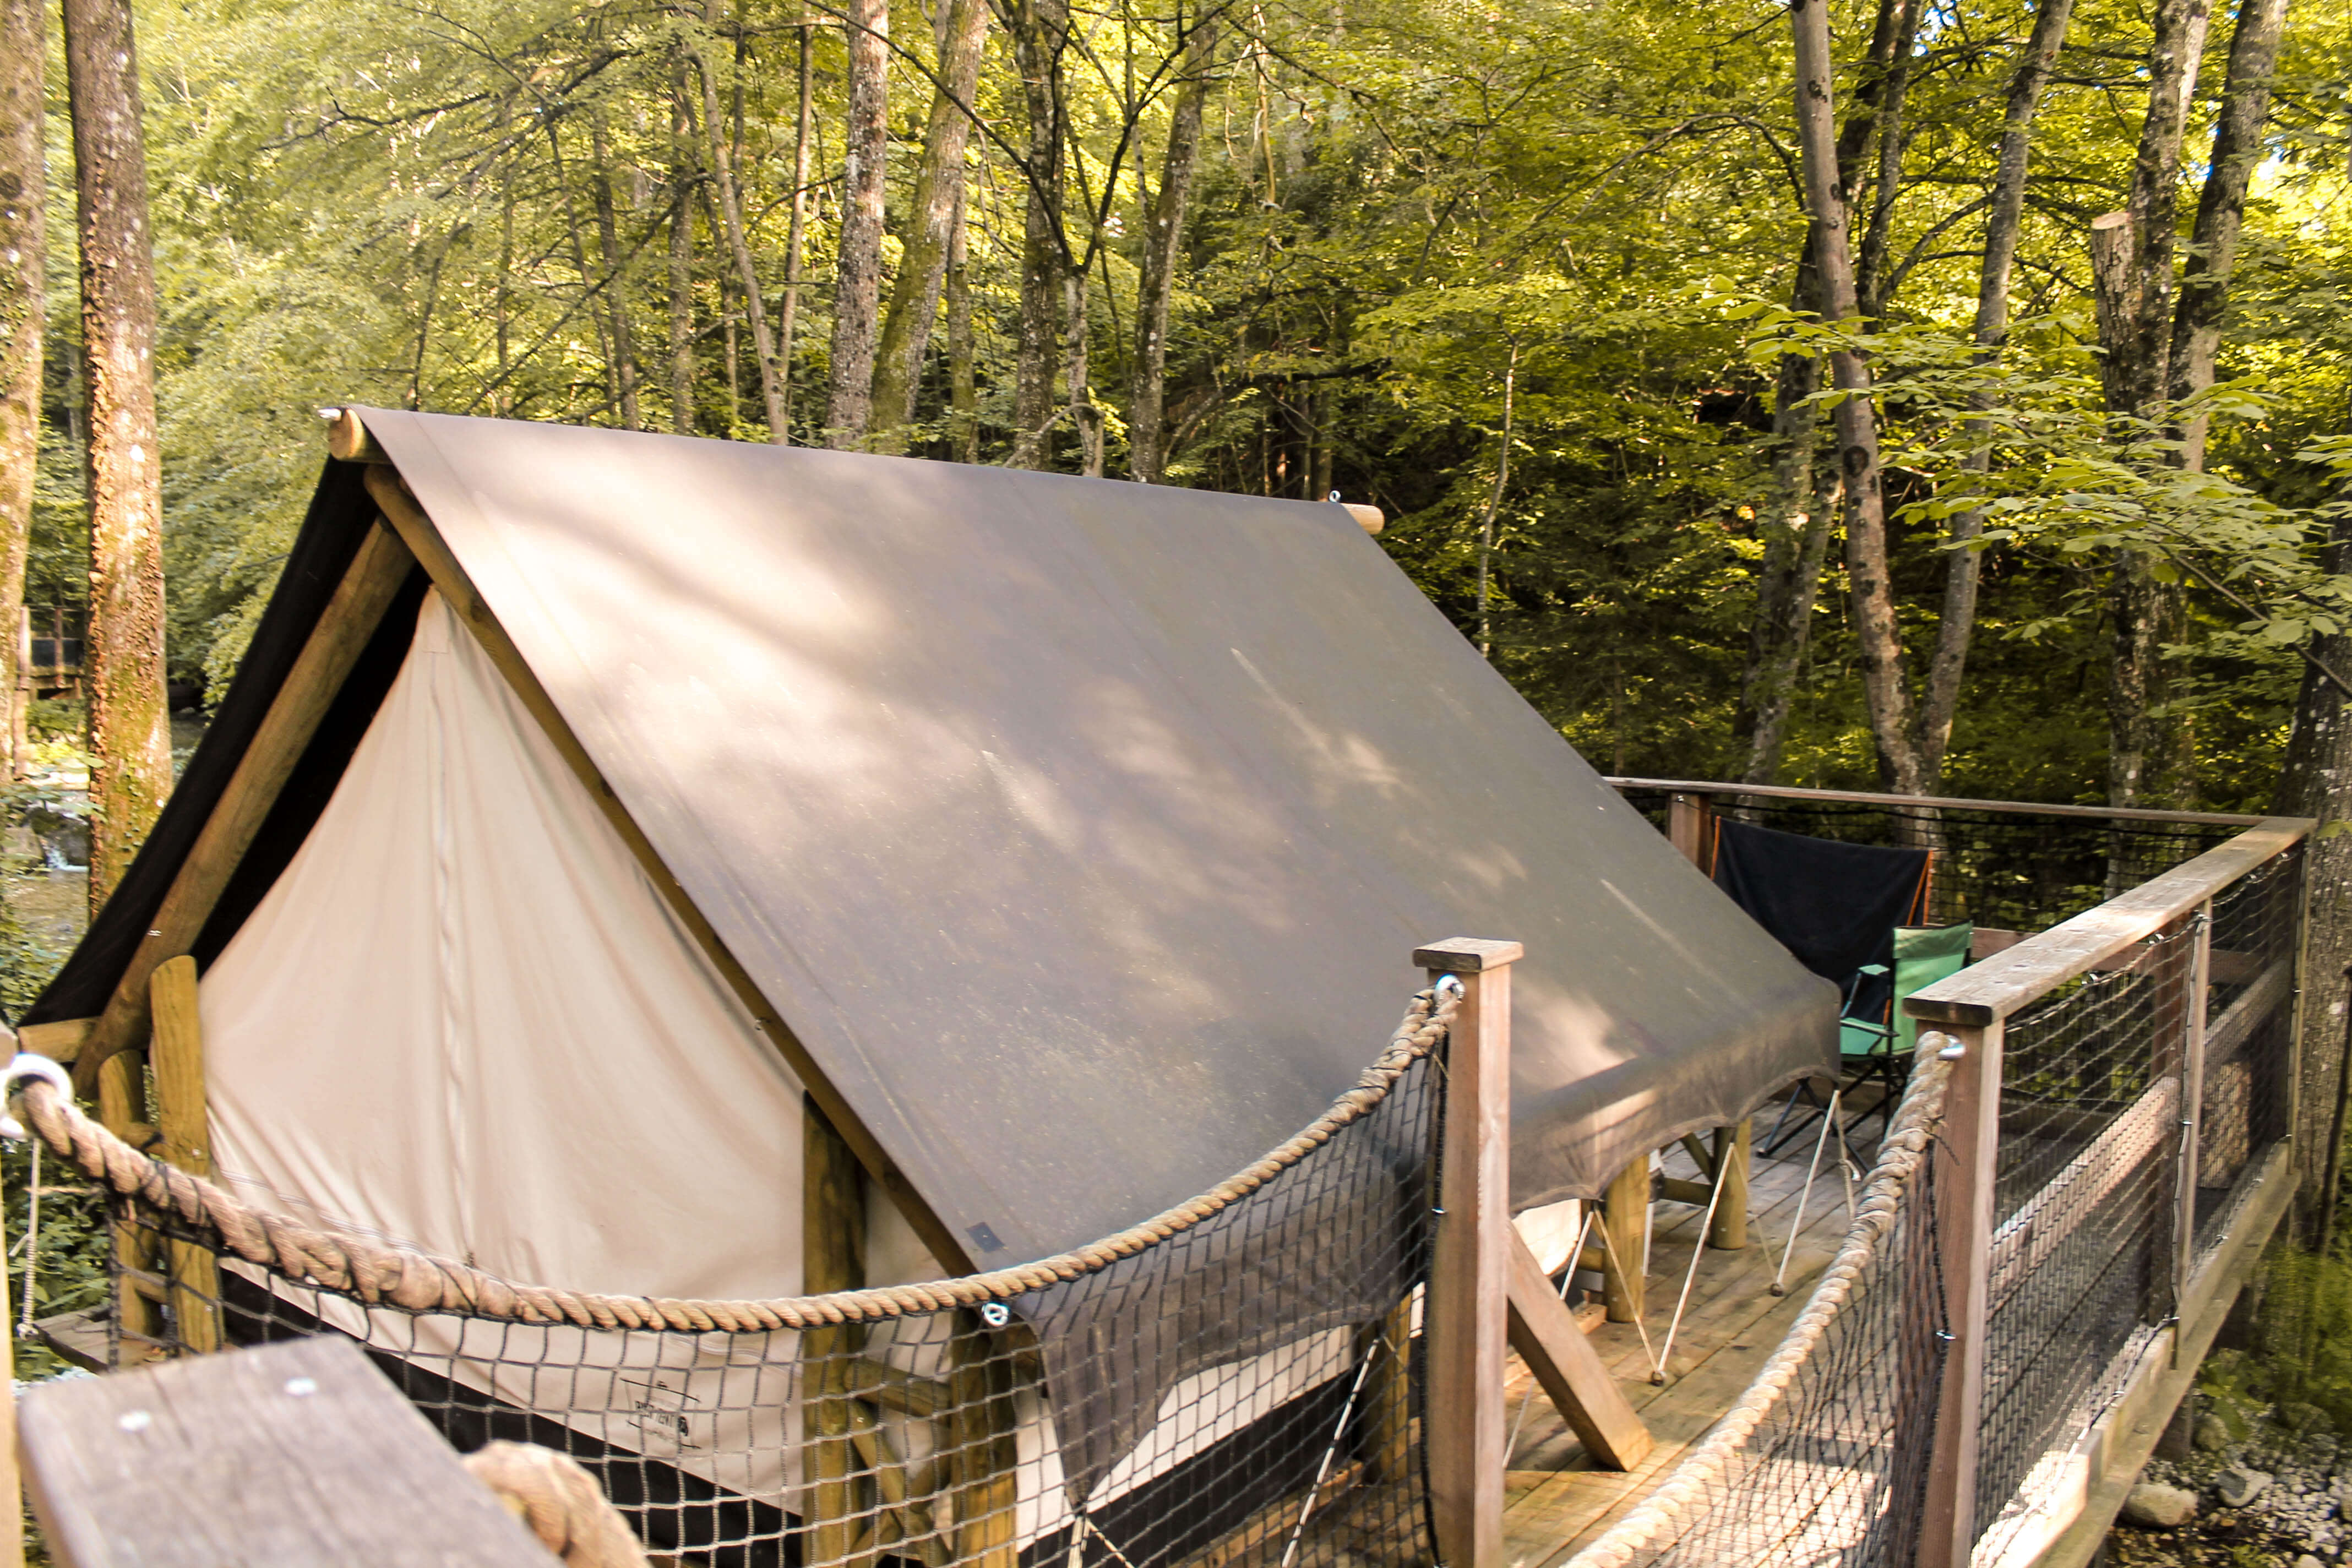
(1833, 906)
(340, 514)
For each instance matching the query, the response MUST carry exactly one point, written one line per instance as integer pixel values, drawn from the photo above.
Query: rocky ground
(2266, 1498)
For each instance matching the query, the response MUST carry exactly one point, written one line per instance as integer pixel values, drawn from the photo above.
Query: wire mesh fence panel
(2083, 1195)
(2001, 870)
(1239, 1391)
(2250, 1002)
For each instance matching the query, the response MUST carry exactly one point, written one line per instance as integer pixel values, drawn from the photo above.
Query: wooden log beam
(347, 440)
(833, 1257)
(987, 1455)
(1469, 1286)
(417, 531)
(1569, 1371)
(60, 1041)
(183, 1118)
(375, 575)
(1625, 1219)
(1734, 1153)
(1704, 787)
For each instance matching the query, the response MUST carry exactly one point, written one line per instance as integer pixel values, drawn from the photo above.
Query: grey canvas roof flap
(1081, 831)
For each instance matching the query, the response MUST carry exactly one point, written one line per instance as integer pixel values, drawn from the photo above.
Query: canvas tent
(1066, 841)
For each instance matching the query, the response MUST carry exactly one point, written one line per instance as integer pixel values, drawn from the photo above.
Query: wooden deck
(1555, 1499)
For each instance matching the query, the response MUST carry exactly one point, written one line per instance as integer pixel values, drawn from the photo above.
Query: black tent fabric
(1833, 906)
(1080, 831)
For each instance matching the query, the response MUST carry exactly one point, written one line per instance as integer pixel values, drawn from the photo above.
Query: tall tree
(129, 733)
(1040, 32)
(685, 174)
(2132, 268)
(617, 276)
(963, 382)
(1872, 591)
(772, 371)
(857, 267)
(938, 203)
(1163, 243)
(2004, 224)
(24, 252)
(2221, 210)
(796, 230)
(2317, 782)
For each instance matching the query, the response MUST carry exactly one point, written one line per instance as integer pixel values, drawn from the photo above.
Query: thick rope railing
(1683, 1496)
(559, 1501)
(41, 1096)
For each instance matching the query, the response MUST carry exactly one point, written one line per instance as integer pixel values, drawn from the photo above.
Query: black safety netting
(1244, 1391)
(2003, 870)
(1823, 1458)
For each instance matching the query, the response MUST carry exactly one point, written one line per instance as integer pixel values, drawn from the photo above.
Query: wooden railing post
(2192, 1107)
(1469, 1287)
(1964, 1216)
(1687, 819)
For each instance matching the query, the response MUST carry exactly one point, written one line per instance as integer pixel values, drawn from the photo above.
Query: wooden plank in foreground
(297, 1453)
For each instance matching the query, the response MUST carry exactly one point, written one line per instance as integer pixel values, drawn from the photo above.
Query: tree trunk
(963, 389)
(2132, 273)
(1963, 568)
(595, 314)
(2221, 208)
(1796, 543)
(683, 178)
(129, 733)
(1040, 32)
(796, 230)
(772, 386)
(1870, 280)
(1163, 243)
(24, 249)
(2316, 781)
(1494, 506)
(858, 272)
(617, 279)
(1086, 420)
(1857, 424)
(938, 204)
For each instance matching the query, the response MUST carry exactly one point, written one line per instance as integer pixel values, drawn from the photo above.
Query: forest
(1950, 397)
(1545, 283)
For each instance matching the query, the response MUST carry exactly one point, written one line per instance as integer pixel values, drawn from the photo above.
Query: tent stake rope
(41, 1094)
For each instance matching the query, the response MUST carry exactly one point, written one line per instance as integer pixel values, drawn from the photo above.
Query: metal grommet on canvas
(995, 1314)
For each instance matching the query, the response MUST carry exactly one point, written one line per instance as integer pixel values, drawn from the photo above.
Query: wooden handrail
(1986, 992)
(2017, 807)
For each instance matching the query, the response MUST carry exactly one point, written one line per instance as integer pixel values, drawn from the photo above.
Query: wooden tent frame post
(1469, 1286)
(833, 1257)
(184, 1120)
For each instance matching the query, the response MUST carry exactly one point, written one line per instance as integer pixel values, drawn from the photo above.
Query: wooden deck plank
(1556, 1500)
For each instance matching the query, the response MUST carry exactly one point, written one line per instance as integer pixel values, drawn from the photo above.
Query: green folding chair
(1875, 1037)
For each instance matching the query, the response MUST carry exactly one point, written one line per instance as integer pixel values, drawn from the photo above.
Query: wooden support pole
(1964, 1209)
(1386, 1448)
(1569, 1371)
(1625, 1217)
(1733, 1149)
(184, 1120)
(987, 1457)
(2192, 1105)
(1469, 1289)
(122, 1110)
(833, 1257)
(1688, 818)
